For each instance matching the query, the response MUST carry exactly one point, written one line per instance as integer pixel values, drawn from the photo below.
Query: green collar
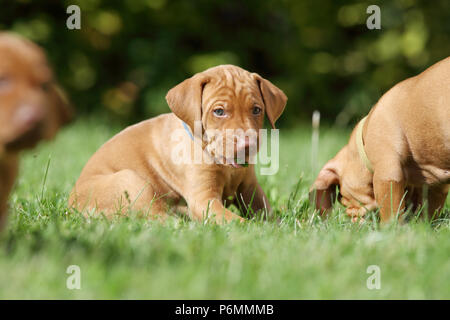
(360, 145)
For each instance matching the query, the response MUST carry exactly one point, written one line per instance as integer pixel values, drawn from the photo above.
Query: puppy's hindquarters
(117, 193)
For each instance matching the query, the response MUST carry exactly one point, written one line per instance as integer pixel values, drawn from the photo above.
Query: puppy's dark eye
(219, 112)
(256, 110)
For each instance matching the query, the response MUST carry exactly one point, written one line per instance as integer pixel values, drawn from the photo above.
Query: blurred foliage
(129, 53)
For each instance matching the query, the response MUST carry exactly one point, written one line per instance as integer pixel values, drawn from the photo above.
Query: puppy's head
(347, 173)
(230, 104)
(32, 106)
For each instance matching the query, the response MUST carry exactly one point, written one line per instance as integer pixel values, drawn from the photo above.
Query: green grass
(299, 257)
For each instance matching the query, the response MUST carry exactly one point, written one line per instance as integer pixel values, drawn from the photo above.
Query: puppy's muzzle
(28, 120)
(245, 149)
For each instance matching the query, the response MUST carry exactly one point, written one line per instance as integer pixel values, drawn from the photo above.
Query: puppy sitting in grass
(32, 107)
(139, 169)
(398, 154)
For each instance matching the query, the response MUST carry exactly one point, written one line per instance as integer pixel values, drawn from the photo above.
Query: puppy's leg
(253, 197)
(436, 200)
(4, 192)
(8, 174)
(3, 207)
(433, 197)
(117, 193)
(205, 205)
(389, 187)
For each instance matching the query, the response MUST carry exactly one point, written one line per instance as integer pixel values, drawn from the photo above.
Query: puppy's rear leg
(117, 193)
(436, 200)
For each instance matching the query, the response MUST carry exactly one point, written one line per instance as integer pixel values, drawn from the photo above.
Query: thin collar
(188, 130)
(360, 145)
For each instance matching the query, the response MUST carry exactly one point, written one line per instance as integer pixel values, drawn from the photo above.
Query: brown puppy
(32, 107)
(139, 167)
(404, 144)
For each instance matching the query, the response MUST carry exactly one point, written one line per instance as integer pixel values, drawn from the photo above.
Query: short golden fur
(407, 140)
(135, 169)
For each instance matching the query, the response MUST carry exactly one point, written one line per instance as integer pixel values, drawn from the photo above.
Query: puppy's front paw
(229, 217)
(356, 214)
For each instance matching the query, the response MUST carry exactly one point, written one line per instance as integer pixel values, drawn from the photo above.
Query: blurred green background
(129, 53)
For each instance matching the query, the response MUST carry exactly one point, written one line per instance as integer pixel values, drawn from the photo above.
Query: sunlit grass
(297, 255)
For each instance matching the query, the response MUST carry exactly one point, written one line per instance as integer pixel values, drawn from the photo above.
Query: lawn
(299, 256)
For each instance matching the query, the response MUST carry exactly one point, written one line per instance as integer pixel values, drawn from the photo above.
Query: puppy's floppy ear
(60, 111)
(323, 190)
(185, 99)
(274, 99)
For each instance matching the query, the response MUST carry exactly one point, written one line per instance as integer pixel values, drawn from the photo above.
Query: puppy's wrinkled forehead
(230, 84)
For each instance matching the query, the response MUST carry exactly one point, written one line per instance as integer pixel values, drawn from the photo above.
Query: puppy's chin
(232, 161)
(236, 165)
(27, 140)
